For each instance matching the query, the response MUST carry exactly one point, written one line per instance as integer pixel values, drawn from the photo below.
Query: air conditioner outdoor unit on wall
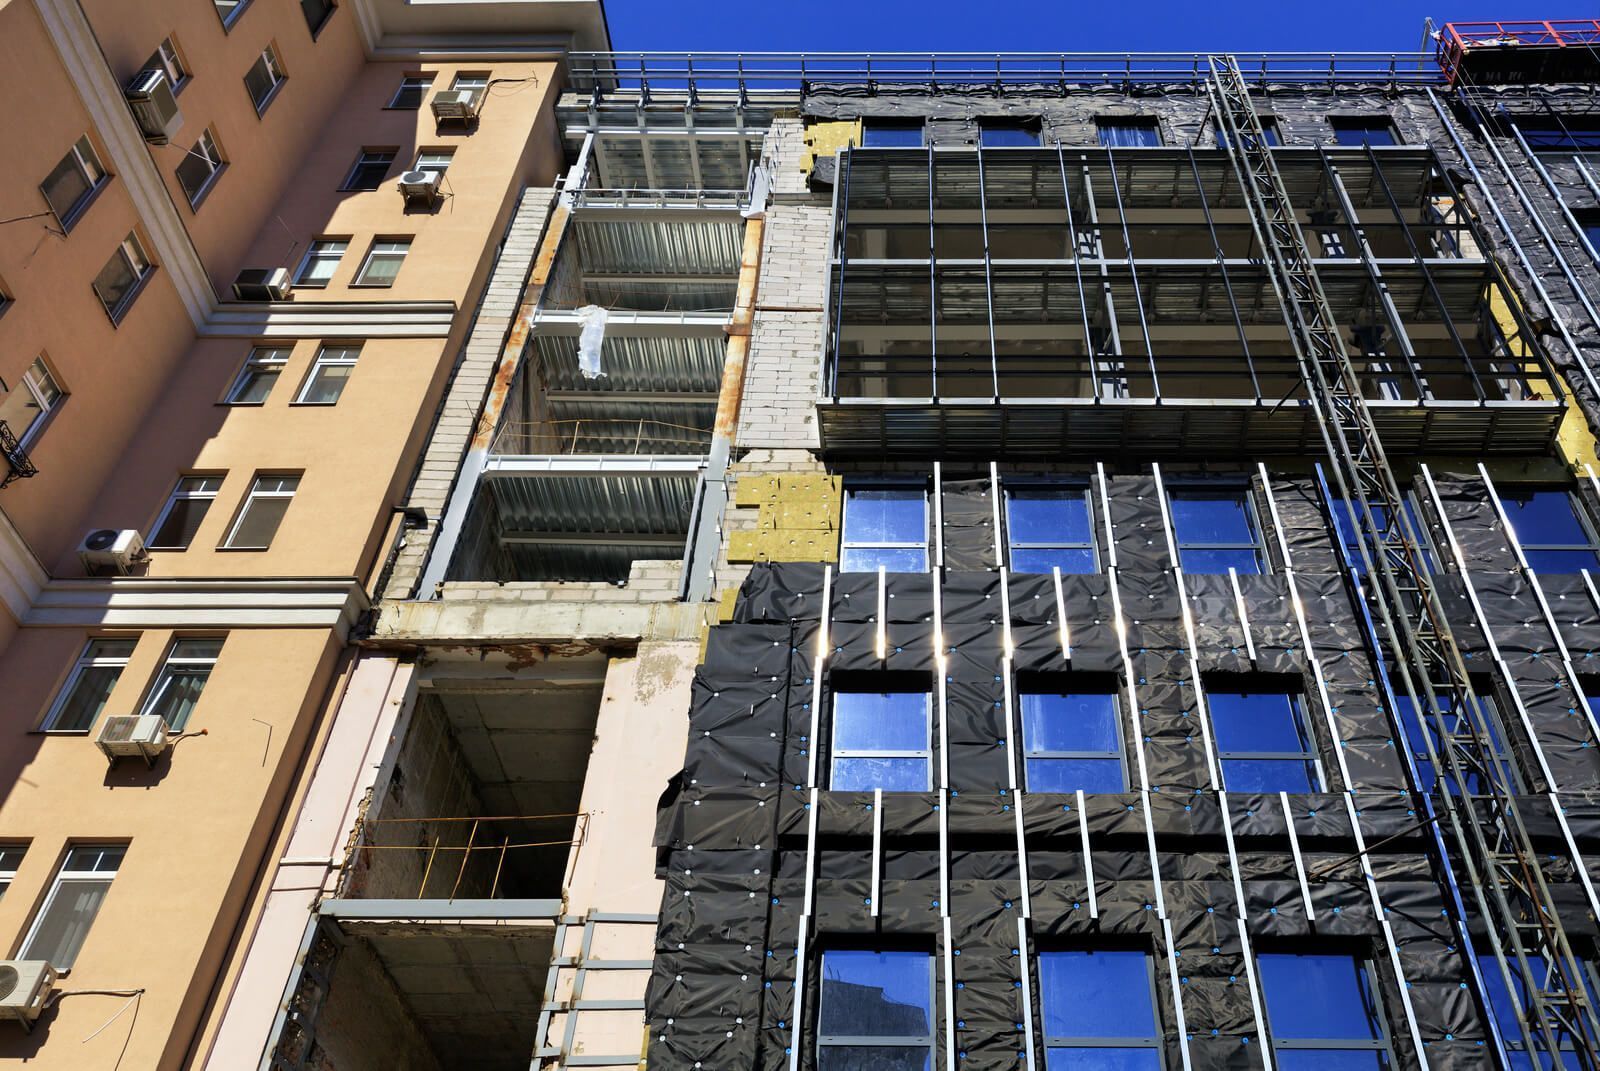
(460, 105)
(25, 985)
(111, 550)
(420, 187)
(124, 736)
(150, 96)
(262, 284)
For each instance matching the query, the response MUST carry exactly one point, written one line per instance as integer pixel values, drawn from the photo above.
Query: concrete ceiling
(485, 24)
(474, 989)
(528, 748)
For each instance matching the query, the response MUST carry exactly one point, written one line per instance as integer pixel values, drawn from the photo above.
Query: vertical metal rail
(1077, 273)
(1133, 272)
(1518, 910)
(1119, 386)
(988, 277)
(1222, 268)
(933, 286)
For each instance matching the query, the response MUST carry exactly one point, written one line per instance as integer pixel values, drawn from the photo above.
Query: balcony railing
(777, 72)
(466, 857)
(18, 465)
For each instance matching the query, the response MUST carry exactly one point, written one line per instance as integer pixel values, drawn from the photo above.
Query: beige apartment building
(242, 451)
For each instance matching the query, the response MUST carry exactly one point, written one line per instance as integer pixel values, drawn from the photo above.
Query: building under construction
(1021, 561)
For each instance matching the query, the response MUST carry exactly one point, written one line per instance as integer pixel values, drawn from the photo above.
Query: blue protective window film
(877, 134)
(1072, 742)
(1323, 1012)
(1262, 742)
(885, 526)
(1489, 716)
(1269, 128)
(1000, 134)
(1050, 528)
(1097, 1010)
(1215, 531)
(1119, 132)
(1504, 1008)
(1349, 533)
(1549, 524)
(876, 1011)
(881, 740)
(1363, 130)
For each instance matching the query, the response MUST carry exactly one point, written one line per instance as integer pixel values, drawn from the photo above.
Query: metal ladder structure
(1512, 899)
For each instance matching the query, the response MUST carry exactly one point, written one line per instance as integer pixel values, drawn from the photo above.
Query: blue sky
(1011, 25)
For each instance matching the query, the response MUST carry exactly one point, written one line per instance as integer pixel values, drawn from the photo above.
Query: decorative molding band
(101, 95)
(183, 602)
(331, 319)
(21, 575)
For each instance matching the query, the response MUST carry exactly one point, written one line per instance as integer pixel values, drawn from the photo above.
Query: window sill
(312, 405)
(241, 550)
(204, 191)
(232, 17)
(272, 95)
(371, 286)
(81, 207)
(122, 308)
(61, 732)
(316, 31)
(242, 405)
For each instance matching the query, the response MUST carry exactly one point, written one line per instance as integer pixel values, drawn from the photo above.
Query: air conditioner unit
(111, 549)
(150, 96)
(460, 105)
(124, 736)
(262, 284)
(420, 187)
(25, 985)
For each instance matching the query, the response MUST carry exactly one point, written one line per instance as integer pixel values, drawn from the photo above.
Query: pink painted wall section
(364, 728)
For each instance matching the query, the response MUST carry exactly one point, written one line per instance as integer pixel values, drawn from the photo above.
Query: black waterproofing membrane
(734, 844)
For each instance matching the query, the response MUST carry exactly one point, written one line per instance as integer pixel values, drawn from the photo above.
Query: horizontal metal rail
(788, 71)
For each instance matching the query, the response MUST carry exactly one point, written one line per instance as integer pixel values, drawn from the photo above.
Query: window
(1427, 775)
(118, 282)
(383, 262)
(476, 84)
(882, 740)
(80, 886)
(261, 370)
(317, 13)
(83, 697)
(1565, 134)
(434, 160)
(1261, 739)
(1123, 131)
(1362, 130)
(185, 509)
(1098, 1010)
(167, 58)
(1215, 531)
(1071, 737)
(200, 167)
(889, 134)
(1269, 128)
(10, 858)
(1050, 528)
(413, 88)
(1007, 133)
(1505, 1010)
(1350, 535)
(370, 169)
(229, 10)
(320, 262)
(1550, 525)
(264, 78)
(885, 526)
(1322, 1013)
(182, 678)
(34, 397)
(329, 373)
(1589, 220)
(262, 512)
(72, 184)
(876, 1011)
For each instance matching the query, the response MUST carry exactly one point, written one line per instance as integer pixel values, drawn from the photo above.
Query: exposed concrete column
(380, 691)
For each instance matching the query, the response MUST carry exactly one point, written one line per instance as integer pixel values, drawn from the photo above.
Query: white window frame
(259, 357)
(362, 157)
(205, 148)
(374, 252)
(255, 494)
(173, 660)
(91, 170)
(268, 58)
(47, 405)
(86, 661)
(230, 16)
(474, 82)
(64, 876)
(447, 155)
(340, 356)
(179, 494)
(9, 863)
(131, 250)
(315, 255)
(925, 544)
(424, 82)
(169, 57)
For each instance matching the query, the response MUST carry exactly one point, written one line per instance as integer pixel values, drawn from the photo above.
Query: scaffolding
(1526, 935)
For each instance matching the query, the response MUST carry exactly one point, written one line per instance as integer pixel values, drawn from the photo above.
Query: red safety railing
(1457, 39)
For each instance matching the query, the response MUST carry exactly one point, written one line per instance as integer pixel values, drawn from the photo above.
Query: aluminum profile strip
(1138, 737)
(1088, 856)
(1244, 614)
(1299, 861)
(1177, 995)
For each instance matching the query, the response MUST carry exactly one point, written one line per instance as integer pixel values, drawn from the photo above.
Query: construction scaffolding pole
(1509, 890)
